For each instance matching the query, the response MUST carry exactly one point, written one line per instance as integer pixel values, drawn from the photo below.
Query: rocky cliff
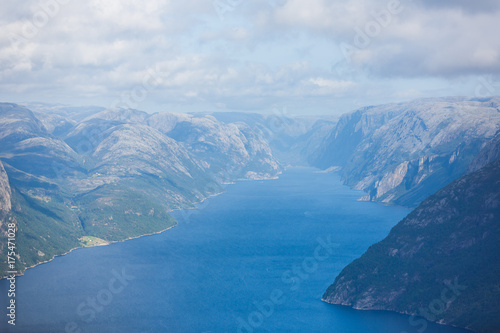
(5, 193)
(402, 153)
(439, 263)
(293, 140)
(489, 153)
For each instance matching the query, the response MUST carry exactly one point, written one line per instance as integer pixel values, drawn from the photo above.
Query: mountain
(292, 139)
(128, 116)
(489, 153)
(17, 124)
(440, 262)
(227, 150)
(71, 113)
(401, 153)
(113, 174)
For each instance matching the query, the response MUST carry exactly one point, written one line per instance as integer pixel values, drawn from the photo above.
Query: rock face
(293, 140)
(113, 173)
(227, 151)
(5, 209)
(402, 153)
(440, 262)
(489, 153)
(5, 193)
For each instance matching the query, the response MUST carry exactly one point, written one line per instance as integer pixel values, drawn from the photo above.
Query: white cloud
(263, 53)
(332, 86)
(421, 38)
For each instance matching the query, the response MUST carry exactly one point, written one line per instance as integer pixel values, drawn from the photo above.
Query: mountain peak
(121, 115)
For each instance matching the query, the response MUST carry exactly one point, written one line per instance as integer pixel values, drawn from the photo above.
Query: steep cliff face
(489, 153)
(228, 151)
(5, 192)
(261, 161)
(293, 140)
(440, 262)
(5, 213)
(402, 153)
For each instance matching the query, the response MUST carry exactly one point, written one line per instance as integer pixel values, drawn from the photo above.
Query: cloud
(331, 86)
(473, 7)
(253, 55)
(404, 38)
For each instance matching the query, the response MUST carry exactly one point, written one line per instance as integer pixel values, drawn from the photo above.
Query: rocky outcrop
(293, 140)
(5, 192)
(227, 150)
(5, 215)
(402, 153)
(440, 262)
(489, 153)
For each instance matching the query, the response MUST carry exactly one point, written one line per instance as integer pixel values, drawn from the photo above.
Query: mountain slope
(112, 174)
(440, 262)
(489, 153)
(227, 150)
(292, 139)
(402, 153)
(5, 191)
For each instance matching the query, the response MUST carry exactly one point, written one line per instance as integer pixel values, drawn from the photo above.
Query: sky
(297, 57)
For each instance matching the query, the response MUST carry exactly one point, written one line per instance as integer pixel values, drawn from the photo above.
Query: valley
(84, 177)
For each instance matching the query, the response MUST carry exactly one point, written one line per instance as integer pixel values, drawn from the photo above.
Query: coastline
(88, 247)
(440, 322)
(138, 236)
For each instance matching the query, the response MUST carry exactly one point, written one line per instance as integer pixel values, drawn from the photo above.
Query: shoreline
(139, 236)
(441, 322)
(89, 247)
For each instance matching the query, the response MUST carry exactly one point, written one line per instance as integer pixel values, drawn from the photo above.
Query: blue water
(243, 261)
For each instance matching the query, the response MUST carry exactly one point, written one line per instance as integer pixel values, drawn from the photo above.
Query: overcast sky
(295, 56)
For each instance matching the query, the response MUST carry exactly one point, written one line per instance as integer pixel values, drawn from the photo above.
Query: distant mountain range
(113, 174)
(440, 263)
(71, 177)
(402, 153)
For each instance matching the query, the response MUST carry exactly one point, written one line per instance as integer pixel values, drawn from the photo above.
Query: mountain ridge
(110, 174)
(401, 153)
(417, 262)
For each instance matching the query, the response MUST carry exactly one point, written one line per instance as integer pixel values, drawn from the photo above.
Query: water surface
(246, 261)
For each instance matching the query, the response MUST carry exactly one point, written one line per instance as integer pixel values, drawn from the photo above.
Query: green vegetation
(47, 228)
(89, 241)
(113, 175)
(454, 234)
